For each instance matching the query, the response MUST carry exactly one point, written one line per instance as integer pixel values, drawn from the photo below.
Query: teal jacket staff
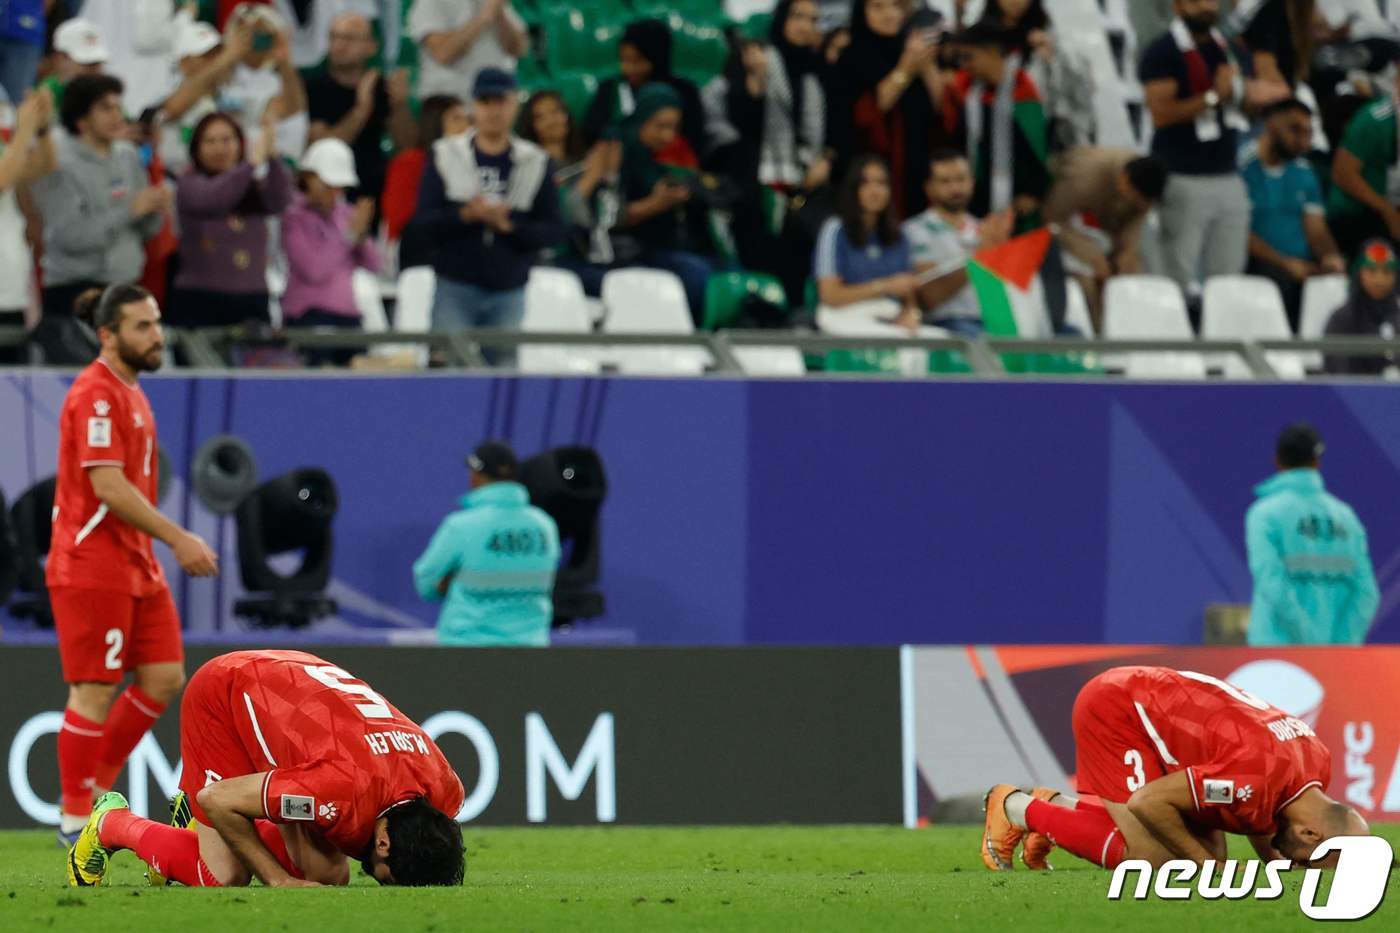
(493, 563)
(1313, 582)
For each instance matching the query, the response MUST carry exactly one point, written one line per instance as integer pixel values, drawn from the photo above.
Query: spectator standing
(660, 213)
(946, 236)
(883, 98)
(995, 111)
(1196, 88)
(461, 37)
(493, 562)
(22, 31)
(97, 207)
(78, 49)
(1062, 76)
(28, 157)
(587, 179)
(357, 104)
(863, 263)
(489, 204)
(1359, 206)
(326, 240)
(439, 116)
(1289, 241)
(223, 203)
(1372, 309)
(1100, 200)
(644, 57)
(1313, 582)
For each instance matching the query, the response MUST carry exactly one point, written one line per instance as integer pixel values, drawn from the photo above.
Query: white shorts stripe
(1152, 734)
(257, 731)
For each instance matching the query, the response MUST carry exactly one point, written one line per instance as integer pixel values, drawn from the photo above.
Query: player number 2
(338, 678)
(113, 638)
(1133, 757)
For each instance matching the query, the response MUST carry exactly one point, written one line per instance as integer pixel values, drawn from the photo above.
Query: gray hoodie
(89, 233)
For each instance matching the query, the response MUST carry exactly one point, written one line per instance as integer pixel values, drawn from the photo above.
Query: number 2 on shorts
(113, 639)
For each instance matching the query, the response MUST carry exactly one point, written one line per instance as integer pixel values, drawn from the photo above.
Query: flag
(1002, 277)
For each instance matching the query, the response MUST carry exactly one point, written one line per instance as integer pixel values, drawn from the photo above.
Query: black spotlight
(32, 520)
(223, 472)
(290, 513)
(569, 484)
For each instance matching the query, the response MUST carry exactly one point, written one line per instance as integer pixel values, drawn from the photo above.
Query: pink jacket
(321, 261)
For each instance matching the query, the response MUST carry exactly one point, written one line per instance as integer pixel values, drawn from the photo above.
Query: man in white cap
(78, 49)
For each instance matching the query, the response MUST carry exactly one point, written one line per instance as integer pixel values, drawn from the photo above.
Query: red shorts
(213, 732)
(102, 634)
(1114, 755)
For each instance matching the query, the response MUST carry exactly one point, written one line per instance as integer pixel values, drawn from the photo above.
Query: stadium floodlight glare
(289, 513)
(569, 483)
(32, 520)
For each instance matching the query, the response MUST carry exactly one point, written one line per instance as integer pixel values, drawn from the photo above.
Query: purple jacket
(321, 261)
(221, 248)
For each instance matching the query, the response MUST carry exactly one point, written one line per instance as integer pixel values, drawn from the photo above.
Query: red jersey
(338, 755)
(105, 422)
(1245, 760)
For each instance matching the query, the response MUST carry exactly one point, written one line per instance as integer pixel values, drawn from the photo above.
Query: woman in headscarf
(657, 209)
(1372, 309)
(883, 96)
(644, 57)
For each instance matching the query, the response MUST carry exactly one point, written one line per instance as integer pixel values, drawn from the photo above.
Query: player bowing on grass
(291, 764)
(1177, 759)
(111, 604)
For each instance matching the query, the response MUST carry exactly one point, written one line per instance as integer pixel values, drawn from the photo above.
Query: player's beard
(148, 362)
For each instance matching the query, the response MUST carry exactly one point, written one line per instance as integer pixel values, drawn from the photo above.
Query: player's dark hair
(1148, 176)
(425, 846)
(82, 94)
(102, 307)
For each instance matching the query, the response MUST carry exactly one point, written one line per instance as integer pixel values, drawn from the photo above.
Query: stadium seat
(1150, 307)
(726, 291)
(554, 301)
(700, 48)
(1322, 295)
(276, 285)
(575, 42)
(771, 361)
(413, 313)
(649, 301)
(1077, 309)
(370, 302)
(578, 90)
(1247, 307)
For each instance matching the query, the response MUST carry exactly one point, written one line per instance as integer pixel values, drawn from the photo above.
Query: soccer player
(291, 764)
(111, 604)
(1177, 759)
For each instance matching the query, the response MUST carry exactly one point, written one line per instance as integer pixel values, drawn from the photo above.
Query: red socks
(1086, 831)
(174, 852)
(131, 717)
(78, 743)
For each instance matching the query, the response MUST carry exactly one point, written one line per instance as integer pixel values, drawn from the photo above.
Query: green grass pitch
(617, 878)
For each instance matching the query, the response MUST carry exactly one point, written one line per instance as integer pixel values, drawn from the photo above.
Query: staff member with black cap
(1313, 583)
(493, 562)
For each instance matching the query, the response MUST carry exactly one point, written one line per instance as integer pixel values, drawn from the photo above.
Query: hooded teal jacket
(1313, 582)
(499, 554)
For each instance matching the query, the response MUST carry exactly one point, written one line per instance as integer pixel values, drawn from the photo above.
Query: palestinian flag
(1002, 277)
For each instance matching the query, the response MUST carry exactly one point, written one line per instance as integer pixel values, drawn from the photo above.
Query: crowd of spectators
(859, 152)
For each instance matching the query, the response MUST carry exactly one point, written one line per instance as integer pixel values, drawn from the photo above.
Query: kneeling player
(290, 765)
(1177, 759)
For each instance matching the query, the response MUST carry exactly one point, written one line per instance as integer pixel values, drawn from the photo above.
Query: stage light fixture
(292, 512)
(570, 484)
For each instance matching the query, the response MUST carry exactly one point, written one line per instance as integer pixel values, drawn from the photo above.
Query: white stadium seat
(771, 361)
(1247, 307)
(1077, 309)
(413, 310)
(1150, 307)
(554, 301)
(650, 301)
(370, 302)
(276, 285)
(1322, 295)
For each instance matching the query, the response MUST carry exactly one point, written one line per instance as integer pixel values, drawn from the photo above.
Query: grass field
(773, 878)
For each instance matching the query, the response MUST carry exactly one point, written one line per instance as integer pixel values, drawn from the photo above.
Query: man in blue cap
(1313, 583)
(489, 204)
(493, 562)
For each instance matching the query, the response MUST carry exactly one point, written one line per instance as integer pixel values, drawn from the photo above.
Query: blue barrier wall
(791, 512)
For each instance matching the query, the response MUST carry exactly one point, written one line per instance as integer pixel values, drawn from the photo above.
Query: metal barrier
(205, 348)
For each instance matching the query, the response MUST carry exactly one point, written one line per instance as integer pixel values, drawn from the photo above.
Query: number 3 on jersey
(340, 679)
(1133, 759)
